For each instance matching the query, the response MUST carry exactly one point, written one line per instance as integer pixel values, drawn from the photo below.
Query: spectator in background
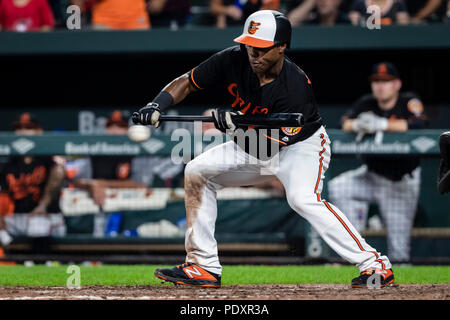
(318, 12)
(86, 11)
(235, 12)
(392, 12)
(109, 172)
(169, 13)
(392, 182)
(346, 5)
(447, 14)
(30, 189)
(120, 15)
(422, 11)
(26, 15)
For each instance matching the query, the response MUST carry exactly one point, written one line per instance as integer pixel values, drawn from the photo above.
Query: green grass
(41, 275)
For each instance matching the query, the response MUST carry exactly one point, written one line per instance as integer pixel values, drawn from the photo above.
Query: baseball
(138, 133)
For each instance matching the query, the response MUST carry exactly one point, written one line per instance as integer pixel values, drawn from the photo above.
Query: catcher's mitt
(443, 182)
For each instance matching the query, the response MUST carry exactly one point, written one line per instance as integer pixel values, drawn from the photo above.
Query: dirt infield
(235, 292)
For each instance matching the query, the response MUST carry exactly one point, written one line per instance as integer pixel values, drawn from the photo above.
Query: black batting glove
(150, 114)
(219, 120)
(223, 121)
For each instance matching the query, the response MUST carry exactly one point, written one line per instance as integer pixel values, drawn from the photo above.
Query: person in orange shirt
(120, 15)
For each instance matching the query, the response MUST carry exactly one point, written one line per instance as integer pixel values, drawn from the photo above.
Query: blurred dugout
(392, 182)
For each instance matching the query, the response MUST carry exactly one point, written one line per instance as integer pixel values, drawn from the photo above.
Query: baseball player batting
(260, 80)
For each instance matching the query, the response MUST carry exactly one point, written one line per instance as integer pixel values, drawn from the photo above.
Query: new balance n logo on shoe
(189, 272)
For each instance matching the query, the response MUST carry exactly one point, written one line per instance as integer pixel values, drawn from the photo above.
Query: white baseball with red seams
(301, 169)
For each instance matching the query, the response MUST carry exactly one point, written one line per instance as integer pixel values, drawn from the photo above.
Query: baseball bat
(273, 120)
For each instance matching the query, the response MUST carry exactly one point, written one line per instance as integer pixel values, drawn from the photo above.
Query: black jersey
(25, 182)
(408, 107)
(111, 168)
(290, 92)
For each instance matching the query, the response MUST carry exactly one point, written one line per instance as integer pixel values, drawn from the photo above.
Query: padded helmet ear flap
(444, 167)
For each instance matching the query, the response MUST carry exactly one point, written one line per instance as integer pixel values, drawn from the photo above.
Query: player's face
(385, 90)
(262, 59)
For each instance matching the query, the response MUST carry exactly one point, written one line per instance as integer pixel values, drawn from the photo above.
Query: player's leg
(352, 191)
(398, 205)
(302, 168)
(225, 165)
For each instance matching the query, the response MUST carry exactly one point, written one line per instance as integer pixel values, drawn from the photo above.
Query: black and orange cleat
(189, 274)
(364, 280)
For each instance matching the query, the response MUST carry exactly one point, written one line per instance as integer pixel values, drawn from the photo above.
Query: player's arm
(429, 7)
(347, 124)
(208, 73)
(174, 92)
(394, 125)
(301, 12)
(180, 88)
(97, 187)
(348, 120)
(51, 189)
(126, 183)
(416, 118)
(221, 11)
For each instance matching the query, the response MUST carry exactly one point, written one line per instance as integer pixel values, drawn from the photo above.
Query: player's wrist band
(164, 99)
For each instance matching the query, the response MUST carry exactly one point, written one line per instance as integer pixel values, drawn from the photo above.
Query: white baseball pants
(300, 168)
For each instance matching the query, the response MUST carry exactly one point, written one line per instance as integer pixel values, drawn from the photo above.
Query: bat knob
(135, 117)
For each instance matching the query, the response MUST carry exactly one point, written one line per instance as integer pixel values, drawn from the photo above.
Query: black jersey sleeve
(417, 118)
(361, 105)
(211, 71)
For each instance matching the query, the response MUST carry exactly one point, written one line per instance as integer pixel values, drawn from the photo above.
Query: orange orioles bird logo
(382, 68)
(253, 26)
